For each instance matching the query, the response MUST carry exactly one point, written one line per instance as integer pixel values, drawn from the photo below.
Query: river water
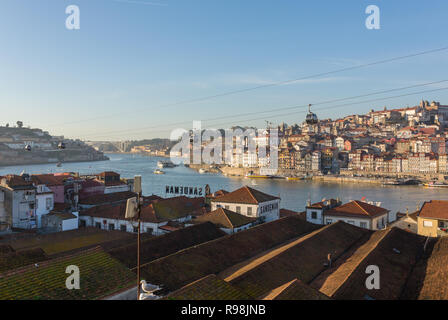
(293, 194)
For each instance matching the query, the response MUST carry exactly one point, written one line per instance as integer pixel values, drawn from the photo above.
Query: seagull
(148, 288)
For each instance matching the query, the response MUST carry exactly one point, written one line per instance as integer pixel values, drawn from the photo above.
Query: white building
(44, 202)
(250, 203)
(358, 213)
(153, 216)
(250, 160)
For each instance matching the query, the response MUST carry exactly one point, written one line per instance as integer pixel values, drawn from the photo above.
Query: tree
(7, 125)
(19, 124)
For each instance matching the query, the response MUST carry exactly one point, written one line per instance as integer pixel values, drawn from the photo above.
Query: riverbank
(49, 162)
(285, 173)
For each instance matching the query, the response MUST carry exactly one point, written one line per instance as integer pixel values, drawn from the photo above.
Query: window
(123, 227)
(98, 225)
(351, 222)
(313, 214)
(48, 203)
(135, 229)
(149, 230)
(82, 223)
(111, 226)
(238, 209)
(329, 221)
(363, 225)
(427, 223)
(249, 211)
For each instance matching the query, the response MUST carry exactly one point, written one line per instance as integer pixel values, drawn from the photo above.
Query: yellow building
(432, 219)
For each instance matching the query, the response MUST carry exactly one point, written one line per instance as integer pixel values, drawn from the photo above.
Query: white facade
(266, 211)
(44, 203)
(117, 188)
(376, 223)
(315, 215)
(127, 225)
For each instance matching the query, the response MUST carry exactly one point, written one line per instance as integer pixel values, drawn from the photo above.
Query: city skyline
(136, 65)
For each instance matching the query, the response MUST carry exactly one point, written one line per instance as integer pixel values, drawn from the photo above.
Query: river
(293, 194)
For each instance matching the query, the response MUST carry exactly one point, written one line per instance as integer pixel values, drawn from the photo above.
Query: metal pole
(138, 245)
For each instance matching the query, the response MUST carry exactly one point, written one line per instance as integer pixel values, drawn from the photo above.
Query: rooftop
(245, 195)
(437, 209)
(225, 218)
(208, 288)
(357, 209)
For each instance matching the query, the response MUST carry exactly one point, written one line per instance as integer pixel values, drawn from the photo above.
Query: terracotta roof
(166, 244)
(217, 193)
(303, 258)
(17, 182)
(48, 179)
(108, 198)
(156, 212)
(196, 262)
(108, 173)
(357, 208)
(63, 215)
(295, 290)
(324, 204)
(434, 286)
(245, 195)
(208, 288)
(287, 213)
(225, 218)
(437, 209)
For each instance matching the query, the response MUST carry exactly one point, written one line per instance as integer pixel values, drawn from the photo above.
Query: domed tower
(311, 118)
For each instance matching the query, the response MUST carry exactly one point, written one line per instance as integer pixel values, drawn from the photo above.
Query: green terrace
(100, 276)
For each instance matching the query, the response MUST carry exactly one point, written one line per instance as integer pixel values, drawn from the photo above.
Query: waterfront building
(250, 203)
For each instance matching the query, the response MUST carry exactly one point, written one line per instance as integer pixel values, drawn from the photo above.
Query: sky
(139, 69)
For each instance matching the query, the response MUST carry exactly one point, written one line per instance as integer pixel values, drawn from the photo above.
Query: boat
(255, 176)
(165, 164)
(59, 164)
(201, 171)
(433, 184)
(294, 178)
(158, 171)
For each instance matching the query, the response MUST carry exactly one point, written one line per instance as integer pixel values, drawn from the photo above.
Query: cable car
(311, 118)
(61, 145)
(28, 147)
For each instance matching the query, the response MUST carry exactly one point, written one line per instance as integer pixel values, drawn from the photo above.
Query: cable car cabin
(28, 147)
(311, 118)
(61, 145)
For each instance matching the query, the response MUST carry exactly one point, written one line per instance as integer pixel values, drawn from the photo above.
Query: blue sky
(113, 78)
